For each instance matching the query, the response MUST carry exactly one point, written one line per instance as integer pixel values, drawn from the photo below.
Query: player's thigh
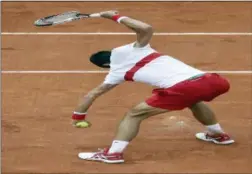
(143, 109)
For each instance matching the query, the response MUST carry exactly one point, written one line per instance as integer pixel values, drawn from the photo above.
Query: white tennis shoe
(103, 156)
(222, 138)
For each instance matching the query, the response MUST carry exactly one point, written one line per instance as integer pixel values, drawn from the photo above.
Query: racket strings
(62, 17)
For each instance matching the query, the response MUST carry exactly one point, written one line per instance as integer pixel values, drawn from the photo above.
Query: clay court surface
(37, 136)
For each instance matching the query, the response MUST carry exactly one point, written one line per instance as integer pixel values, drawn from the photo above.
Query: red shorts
(189, 92)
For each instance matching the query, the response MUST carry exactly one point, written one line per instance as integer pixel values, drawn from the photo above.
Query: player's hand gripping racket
(63, 18)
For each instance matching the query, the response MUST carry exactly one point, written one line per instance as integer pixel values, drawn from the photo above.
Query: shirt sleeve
(113, 78)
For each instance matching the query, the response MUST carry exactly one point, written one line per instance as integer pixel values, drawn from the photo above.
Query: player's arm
(86, 101)
(144, 31)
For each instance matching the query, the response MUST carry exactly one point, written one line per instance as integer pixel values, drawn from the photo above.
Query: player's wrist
(109, 14)
(118, 18)
(79, 120)
(77, 116)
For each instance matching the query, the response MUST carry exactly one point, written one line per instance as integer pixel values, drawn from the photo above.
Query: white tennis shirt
(128, 63)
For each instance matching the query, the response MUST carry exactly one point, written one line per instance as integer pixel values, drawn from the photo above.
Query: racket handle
(95, 15)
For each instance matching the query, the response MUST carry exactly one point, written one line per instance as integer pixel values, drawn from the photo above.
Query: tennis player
(178, 86)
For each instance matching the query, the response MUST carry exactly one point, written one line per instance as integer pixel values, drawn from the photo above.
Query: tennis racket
(63, 18)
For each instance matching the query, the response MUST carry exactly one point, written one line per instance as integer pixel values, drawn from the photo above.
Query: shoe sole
(202, 136)
(102, 160)
(113, 162)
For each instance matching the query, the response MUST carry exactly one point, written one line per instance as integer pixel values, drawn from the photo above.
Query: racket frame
(78, 16)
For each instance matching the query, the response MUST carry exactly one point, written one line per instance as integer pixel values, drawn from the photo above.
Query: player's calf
(214, 132)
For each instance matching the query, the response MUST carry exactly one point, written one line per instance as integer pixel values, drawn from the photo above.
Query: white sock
(118, 146)
(215, 128)
(79, 113)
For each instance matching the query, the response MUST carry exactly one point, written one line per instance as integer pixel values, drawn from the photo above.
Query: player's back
(147, 66)
(165, 71)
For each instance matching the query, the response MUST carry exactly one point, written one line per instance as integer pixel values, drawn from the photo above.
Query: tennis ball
(82, 124)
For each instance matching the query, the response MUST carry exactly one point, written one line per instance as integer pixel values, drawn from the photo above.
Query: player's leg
(129, 126)
(204, 114)
(209, 87)
(214, 131)
(127, 130)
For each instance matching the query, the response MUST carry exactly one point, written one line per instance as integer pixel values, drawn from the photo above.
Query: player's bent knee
(196, 105)
(135, 112)
(144, 110)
